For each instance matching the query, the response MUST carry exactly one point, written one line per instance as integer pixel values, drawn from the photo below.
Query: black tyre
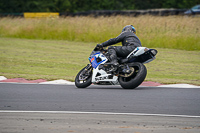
(136, 78)
(83, 78)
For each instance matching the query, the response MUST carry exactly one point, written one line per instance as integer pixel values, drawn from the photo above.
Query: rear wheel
(136, 78)
(84, 77)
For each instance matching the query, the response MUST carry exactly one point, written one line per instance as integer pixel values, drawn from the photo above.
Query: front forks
(86, 73)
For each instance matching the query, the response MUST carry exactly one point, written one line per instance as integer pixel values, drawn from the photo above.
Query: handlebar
(103, 50)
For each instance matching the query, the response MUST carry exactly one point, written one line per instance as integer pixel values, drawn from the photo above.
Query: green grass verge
(175, 32)
(51, 59)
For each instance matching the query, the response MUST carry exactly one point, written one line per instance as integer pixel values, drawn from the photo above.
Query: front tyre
(136, 78)
(84, 77)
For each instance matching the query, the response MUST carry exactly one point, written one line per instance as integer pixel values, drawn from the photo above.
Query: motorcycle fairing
(98, 74)
(142, 55)
(97, 59)
(101, 75)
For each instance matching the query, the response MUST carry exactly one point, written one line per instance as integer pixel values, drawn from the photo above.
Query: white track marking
(2, 78)
(180, 86)
(101, 113)
(60, 81)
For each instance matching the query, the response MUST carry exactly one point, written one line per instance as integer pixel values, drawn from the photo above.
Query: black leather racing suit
(129, 42)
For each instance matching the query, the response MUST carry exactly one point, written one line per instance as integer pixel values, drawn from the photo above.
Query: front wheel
(84, 77)
(136, 78)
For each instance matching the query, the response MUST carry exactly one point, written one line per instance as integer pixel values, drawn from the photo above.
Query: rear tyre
(83, 78)
(136, 78)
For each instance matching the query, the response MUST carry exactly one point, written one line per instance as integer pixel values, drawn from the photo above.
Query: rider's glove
(99, 47)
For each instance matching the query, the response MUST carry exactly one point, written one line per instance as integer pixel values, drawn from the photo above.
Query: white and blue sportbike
(130, 73)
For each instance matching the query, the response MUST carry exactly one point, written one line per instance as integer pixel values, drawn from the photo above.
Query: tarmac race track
(42, 108)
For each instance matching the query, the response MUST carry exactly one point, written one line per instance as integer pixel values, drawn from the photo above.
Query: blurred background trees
(16, 6)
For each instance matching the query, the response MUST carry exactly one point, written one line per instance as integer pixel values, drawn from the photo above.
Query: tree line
(72, 6)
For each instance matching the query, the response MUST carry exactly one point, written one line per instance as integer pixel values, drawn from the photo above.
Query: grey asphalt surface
(145, 100)
(150, 100)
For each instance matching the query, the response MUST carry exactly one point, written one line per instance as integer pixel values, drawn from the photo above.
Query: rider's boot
(113, 64)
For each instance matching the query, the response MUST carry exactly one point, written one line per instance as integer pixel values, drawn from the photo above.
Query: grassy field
(176, 32)
(59, 59)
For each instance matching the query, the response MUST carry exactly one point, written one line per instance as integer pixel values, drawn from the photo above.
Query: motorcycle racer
(129, 42)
